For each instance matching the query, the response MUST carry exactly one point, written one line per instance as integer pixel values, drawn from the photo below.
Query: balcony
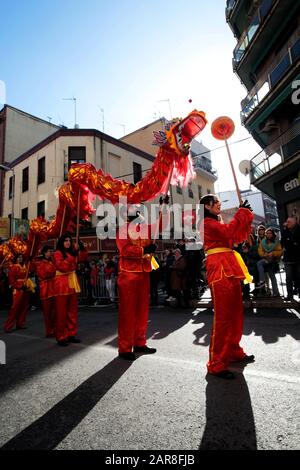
(257, 19)
(230, 6)
(263, 87)
(203, 165)
(284, 149)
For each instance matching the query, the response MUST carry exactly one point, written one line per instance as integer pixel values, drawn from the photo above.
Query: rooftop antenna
(169, 103)
(102, 111)
(73, 99)
(123, 125)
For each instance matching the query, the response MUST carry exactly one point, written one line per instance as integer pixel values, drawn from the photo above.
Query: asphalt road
(84, 397)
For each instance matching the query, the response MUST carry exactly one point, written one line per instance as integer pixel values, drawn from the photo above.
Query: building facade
(41, 170)
(264, 207)
(19, 132)
(267, 61)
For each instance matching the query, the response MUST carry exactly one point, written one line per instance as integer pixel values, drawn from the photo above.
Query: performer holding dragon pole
(225, 270)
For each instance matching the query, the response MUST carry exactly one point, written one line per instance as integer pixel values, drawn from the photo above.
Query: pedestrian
(45, 270)
(67, 287)
(225, 270)
(109, 273)
(291, 244)
(270, 251)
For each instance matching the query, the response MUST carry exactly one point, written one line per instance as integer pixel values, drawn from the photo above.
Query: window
(178, 189)
(10, 187)
(137, 172)
(41, 170)
(41, 209)
(190, 191)
(199, 191)
(25, 181)
(24, 213)
(75, 155)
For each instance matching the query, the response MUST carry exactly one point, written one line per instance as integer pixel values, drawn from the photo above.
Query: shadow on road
(49, 430)
(269, 324)
(229, 417)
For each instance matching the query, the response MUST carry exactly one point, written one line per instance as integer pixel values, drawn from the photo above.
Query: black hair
(207, 200)
(62, 249)
(45, 249)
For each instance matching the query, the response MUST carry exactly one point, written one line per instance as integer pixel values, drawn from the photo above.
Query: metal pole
(12, 202)
(234, 175)
(75, 113)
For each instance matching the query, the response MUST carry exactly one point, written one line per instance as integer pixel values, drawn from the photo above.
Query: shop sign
(292, 184)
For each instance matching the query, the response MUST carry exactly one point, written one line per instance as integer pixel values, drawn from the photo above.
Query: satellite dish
(244, 167)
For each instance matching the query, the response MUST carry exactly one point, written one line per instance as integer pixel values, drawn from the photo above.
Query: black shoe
(224, 374)
(63, 342)
(21, 327)
(128, 356)
(247, 359)
(144, 349)
(73, 339)
(289, 298)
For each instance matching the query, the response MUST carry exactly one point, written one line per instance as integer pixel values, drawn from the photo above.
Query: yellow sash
(248, 277)
(154, 263)
(72, 280)
(30, 286)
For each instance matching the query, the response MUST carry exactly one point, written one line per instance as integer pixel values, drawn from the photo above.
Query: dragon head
(179, 133)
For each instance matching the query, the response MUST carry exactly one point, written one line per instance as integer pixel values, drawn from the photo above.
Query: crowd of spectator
(181, 274)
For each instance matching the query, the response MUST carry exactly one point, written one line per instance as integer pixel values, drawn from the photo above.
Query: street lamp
(8, 168)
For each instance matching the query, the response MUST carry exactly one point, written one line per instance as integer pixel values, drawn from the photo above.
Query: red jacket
(64, 267)
(17, 275)
(218, 235)
(46, 270)
(132, 258)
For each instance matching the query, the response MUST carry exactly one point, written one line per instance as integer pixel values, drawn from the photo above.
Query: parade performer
(67, 288)
(136, 261)
(225, 271)
(45, 271)
(22, 288)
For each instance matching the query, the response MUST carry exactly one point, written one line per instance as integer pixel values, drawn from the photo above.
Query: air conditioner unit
(269, 125)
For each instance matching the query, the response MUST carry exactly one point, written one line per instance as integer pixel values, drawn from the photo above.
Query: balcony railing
(282, 149)
(257, 19)
(204, 164)
(230, 7)
(262, 88)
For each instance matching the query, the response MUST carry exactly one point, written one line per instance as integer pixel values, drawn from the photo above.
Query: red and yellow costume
(225, 271)
(66, 287)
(45, 271)
(17, 279)
(134, 289)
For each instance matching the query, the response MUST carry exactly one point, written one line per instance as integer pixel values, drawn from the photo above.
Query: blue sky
(124, 56)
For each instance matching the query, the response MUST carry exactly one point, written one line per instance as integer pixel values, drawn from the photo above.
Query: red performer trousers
(134, 289)
(18, 310)
(48, 307)
(227, 324)
(66, 316)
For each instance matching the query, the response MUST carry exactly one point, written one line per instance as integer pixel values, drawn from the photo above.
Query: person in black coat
(290, 241)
